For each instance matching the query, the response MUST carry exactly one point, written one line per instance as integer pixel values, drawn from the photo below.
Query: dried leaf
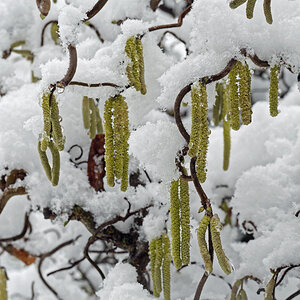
(96, 163)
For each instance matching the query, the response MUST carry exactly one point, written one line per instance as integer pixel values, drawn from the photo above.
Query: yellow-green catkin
(175, 224)
(166, 267)
(55, 163)
(185, 221)
(58, 137)
(270, 289)
(226, 130)
(118, 136)
(126, 133)
(44, 161)
(250, 8)
(245, 93)
(203, 245)
(267, 11)
(3, 288)
(196, 122)
(234, 97)
(135, 62)
(93, 119)
(235, 289)
(86, 112)
(54, 33)
(204, 135)
(218, 106)
(47, 122)
(158, 263)
(109, 142)
(139, 48)
(236, 3)
(152, 256)
(273, 92)
(215, 228)
(99, 121)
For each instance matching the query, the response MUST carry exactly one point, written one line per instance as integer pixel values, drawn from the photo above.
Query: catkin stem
(99, 121)
(44, 161)
(227, 144)
(236, 3)
(3, 289)
(152, 256)
(55, 164)
(47, 122)
(270, 289)
(158, 262)
(175, 224)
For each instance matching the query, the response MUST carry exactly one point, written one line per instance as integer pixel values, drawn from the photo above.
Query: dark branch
(97, 7)
(94, 84)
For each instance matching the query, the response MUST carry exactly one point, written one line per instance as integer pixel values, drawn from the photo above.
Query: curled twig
(48, 254)
(249, 230)
(44, 28)
(21, 234)
(178, 24)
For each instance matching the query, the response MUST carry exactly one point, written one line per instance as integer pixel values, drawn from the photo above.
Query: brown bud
(43, 6)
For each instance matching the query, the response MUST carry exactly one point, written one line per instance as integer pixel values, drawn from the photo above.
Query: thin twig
(178, 24)
(48, 254)
(44, 28)
(21, 234)
(97, 7)
(97, 32)
(75, 263)
(94, 84)
(297, 293)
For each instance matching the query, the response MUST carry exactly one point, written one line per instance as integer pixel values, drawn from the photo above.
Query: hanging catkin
(166, 267)
(234, 97)
(245, 93)
(158, 262)
(86, 112)
(99, 121)
(93, 119)
(126, 134)
(204, 135)
(267, 11)
(250, 8)
(152, 256)
(235, 289)
(175, 224)
(218, 106)
(47, 122)
(118, 137)
(109, 142)
(135, 69)
(44, 161)
(270, 289)
(185, 221)
(236, 3)
(139, 48)
(58, 137)
(55, 163)
(273, 92)
(242, 295)
(215, 228)
(203, 245)
(3, 289)
(226, 130)
(196, 122)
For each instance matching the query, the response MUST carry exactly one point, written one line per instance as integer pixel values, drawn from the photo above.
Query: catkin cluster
(116, 126)
(180, 222)
(214, 225)
(135, 69)
(250, 8)
(273, 92)
(198, 144)
(52, 137)
(160, 261)
(91, 117)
